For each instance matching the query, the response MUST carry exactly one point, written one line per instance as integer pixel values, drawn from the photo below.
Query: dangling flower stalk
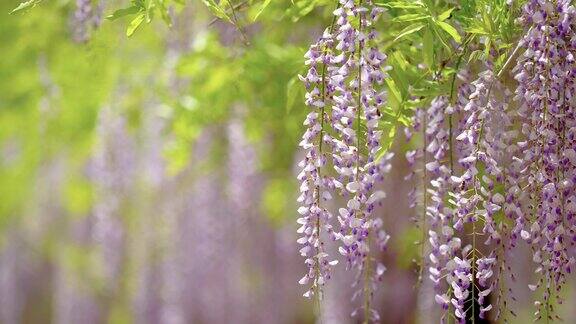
(435, 184)
(437, 154)
(315, 218)
(357, 104)
(468, 198)
(545, 75)
(453, 243)
(484, 141)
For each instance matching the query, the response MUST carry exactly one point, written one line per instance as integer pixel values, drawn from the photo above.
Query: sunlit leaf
(123, 12)
(450, 30)
(410, 17)
(263, 6)
(428, 49)
(401, 4)
(134, 24)
(409, 30)
(393, 90)
(217, 10)
(445, 15)
(25, 5)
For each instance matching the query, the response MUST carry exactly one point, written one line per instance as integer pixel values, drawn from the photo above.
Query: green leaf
(409, 30)
(445, 15)
(25, 5)
(123, 12)
(501, 59)
(135, 23)
(428, 49)
(393, 90)
(450, 30)
(217, 10)
(487, 46)
(398, 60)
(486, 18)
(262, 7)
(410, 17)
(476, 55)
(477, 31)
(401, 4)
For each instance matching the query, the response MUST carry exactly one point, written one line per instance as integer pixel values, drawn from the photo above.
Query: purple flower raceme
(356, 78)
(448, 245)
(465, 89)
(432, 165)
(546, 88)
(435, 174)
(315, 186)
(482, 144)
(345, 74)
(483, 180)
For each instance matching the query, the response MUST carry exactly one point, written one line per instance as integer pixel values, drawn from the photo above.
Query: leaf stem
(236, 23)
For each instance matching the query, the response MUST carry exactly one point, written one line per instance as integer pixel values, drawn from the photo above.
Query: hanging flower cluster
(545, 92)
(358, 100)
(345, 76)
(496, 166)
(435, 172)
(315, 187)
(478, 200)
(509, 183)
